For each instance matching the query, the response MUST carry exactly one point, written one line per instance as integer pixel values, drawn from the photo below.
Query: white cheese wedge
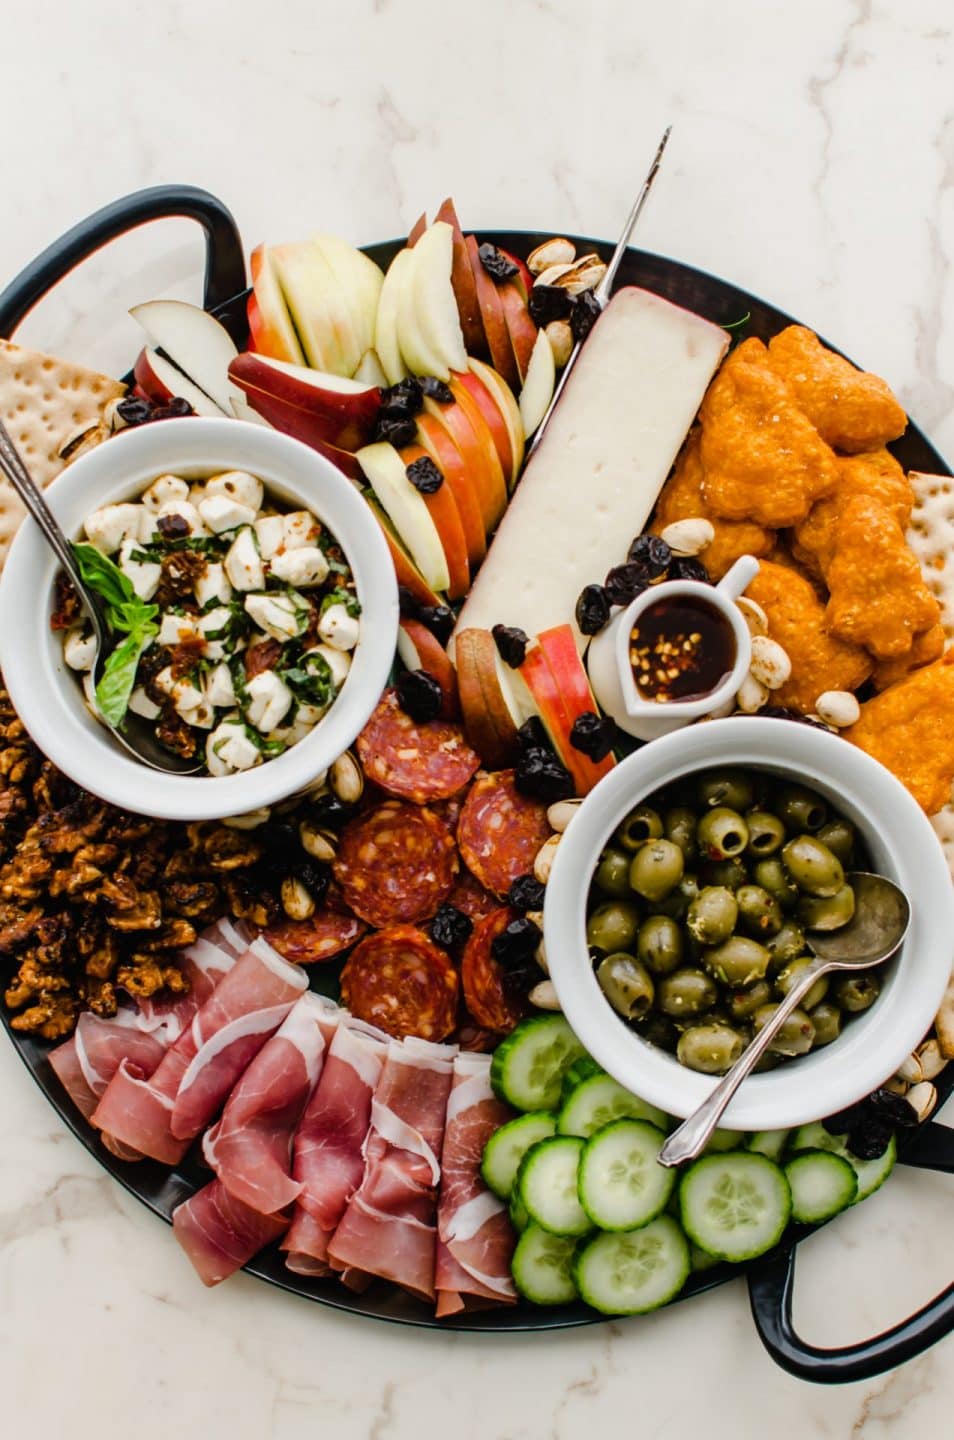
(606, 453)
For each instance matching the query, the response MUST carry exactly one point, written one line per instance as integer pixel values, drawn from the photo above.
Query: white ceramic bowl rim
(902, 845)
(46, 693)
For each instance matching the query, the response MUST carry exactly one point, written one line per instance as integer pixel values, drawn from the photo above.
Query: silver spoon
(871, 937)
(136, 734)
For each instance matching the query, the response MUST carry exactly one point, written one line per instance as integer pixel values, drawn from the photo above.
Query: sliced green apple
(386, 341)
(360, 280)
(538, 385)
(436, 334)
(384, 471)
(318, 308)
(371, 371)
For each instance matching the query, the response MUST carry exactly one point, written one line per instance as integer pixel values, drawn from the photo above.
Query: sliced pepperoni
(327, 933)
(414, 760)
(470, 896)
(500, 831)
(396, 863)
(482, 976)
(399, 980)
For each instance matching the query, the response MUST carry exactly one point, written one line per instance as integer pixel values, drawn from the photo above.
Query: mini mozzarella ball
(339, 629)
(109, 526)
(240, 486)
(79, 649)
(202, 716)
(292, 734)
(177, 629)
(243, 564)
(143, 575)
(209, 626)
(163, 489)
(338, 662)
(278, 615)
(221, 514)
(309, 715)
(219, 689)
(212, 584)
(299, 528)
(229, 748)
(304, 566)
(140, 704)
(268, 701)
(270, 531)
(186, 511)
(185, 697)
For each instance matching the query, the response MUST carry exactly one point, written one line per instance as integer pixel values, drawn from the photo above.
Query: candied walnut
(67, 610)
(173, 732)
(228, 849)
(877, 475)
(878, 596)
(51, 1018)
(909, 728)
(247, 902)
(927, 646)
(16, 927)
(682, 499)
(175, 934)
(851, 409)
(104, 958)
(100, 996)
(145, 976)
(195, 899)
(141, 912)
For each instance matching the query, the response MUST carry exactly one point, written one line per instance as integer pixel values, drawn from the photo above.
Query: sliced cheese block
(604, 457)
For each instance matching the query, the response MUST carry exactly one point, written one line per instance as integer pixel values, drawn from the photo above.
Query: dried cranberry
(420, 695)
(439, 619)
(450, 927)
(134, 410)
(625, 582)
(845, 1120)
(403, 400)
(870, 1139)
(517, 942)
(512, 644)
(539, 773)
(688, 567)
(496, 263)
(592, 609)
(652, 552)
(437, 390)
(893, 1109)
(533, 735)
(396, 432)
(526, 893)
(584, 314)
(593, 735)
(173, 527)
(548, 303)
(424, 475)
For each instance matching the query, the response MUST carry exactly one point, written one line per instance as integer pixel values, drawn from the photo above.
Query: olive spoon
(138, 739)
(875, 933)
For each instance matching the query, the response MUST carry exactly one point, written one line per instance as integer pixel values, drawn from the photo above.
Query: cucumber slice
(621, 1184)
(770, 1143)
(507, 1147)
(822, 1184)
(722, 1140)
(598, 1101)
(547, 1185)
(700, 1260)
(519, 1218)
(871, 1173)
(734, 1206)
(528, 1067)
(633, 1271)
(580, 1070)
(542, 1267)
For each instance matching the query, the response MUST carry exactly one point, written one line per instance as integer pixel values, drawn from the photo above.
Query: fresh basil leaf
(311, 681)
(119, 678)
(102, 574)
(337, 596)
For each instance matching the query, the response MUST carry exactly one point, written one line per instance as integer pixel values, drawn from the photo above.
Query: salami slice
(469, 896)
(414, 760)
(395, 864)
(500, 831)
(399, 980)
(327, 933)
(482, 976)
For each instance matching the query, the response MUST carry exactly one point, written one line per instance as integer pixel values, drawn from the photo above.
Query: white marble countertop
(812, 161)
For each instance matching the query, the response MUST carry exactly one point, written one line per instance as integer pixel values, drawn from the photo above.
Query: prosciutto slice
(475, 1239)
(86, 1062)
(159, 1115)
(250, 1147)
(329, 1145)
(204, 964)
(388, 1229)
(220, 1234)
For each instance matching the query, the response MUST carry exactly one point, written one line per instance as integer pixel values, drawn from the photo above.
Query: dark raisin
(592, 609)
(420, 694)
(409, 603)
(437, 390)
(328, 811)
(526, 893)
(782, 712)
(403, 400)
(517, 942)
(688, 567)
(175, 410)
(314, 877)
(134, 410)
(424, 475)
(439, 619)
(533, 735)
(847, 1119)
(652, 553)
(893, 1109)
(584, 315)
(396, 432)
(512, 644)
(496, 263)
(625, 582)
(539, 773)
(450, 927)
(869, 1140)
(519, 980)
(548, 303)
(173, 527)
(593, 735)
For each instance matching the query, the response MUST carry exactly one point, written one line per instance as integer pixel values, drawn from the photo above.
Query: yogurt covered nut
(839, 708)
(753, 614)
(688, 537)
(752, 695)
(770, 664)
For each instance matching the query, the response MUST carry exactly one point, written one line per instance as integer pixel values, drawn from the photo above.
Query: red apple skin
(301, 425)
(257, 333)
(550, 700)
(492, 314)
(443, 510)
(416, 231)
(487, 720)
(344, 420)
(432, 657)
(469, 432)
(408, 575)
(522, 330)
(148, 384)
(266, 338)
(558, 646)
(449, 460)
(501, 393)
(464, 286)
(490, 410)
(523, 279)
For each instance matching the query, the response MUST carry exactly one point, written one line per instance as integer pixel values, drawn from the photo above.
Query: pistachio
(296, 899)
(770, 663)
(319, 844)
(838, 707)
(557, 251)
(544, 996)
(347, 779)
(111, 415)
(897, 1086)
(250, 820)
(923, 1097)
(910, 1070)
(585, 274)
(552, 274)
(932, 1061)
(85, 437)
(540, 955)
(560, 813)
(560, 336)
(753, 614)
(545, 856)
(688, 537)
(752, 695)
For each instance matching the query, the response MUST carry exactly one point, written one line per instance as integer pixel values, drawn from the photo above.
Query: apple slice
(488, 721)
(416, 231)
(558, 646)
(360, 281)
(318, 308)
(523, 332)
(523, 279)
(448, 459)
(548, 699)
(408, 575)
(442, 509)
(466, 427)
(159, 380)
(384, 471)
(301, 425)
(420, 650)
(432, 342)
(538, 384)
(195, 342)
(242, 410)
(465, 288)
(344, 410)
(467, 381)
(386, 338)
(492, 315)
(270, 326)
(509, 409)
(371, 370)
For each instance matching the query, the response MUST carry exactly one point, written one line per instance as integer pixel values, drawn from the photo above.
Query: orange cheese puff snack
(796, 619)
(681, 499)
(762, 460)
(878, 596)
(927, 646)
(910, 729)
(876, 474)
(851, 409)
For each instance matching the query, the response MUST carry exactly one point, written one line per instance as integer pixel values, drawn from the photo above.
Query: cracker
(931, 536)
(944, 1023)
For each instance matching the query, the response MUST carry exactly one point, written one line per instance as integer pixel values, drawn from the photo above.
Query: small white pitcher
(611, 672)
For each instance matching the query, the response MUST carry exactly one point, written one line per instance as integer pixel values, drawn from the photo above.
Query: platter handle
(224, 260)
(772, 1283)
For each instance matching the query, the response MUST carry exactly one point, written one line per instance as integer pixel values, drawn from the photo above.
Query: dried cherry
(548, 303)
(419, 694)
(526, 893)
(496, 263)
(512, 644)
(592, 609)
(584, 314)
(593, 735)
(451, 927)
(424, 475)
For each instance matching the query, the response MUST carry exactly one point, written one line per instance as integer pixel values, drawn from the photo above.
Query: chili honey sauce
(680, 649)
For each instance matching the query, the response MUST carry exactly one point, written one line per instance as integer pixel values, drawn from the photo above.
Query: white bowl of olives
(679, 902)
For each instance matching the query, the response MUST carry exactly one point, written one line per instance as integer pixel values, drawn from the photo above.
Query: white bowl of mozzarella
(255, 485)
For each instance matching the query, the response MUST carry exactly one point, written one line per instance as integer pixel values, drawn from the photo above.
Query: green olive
(797, 1033)
(659, 944)
(742, 1004)
(627, 985)
(612, 873)
(773, 877)
(712, 915)
(640, 825)
(826, 1019)
(677, 902)
(839, 836)
(731, 873)
(725, 787)
(679, 826)
(801, 809)
(855, 993)
(766, 833)
(759, 912)
(737, 961)
(659, 1030)
(656, 868)
(722, 833)
(813, 867)
(768, 1061)
(786, 945)
(828, 912)
(686, 992)
(613, 926)
(710, 1048)
(790, 976)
